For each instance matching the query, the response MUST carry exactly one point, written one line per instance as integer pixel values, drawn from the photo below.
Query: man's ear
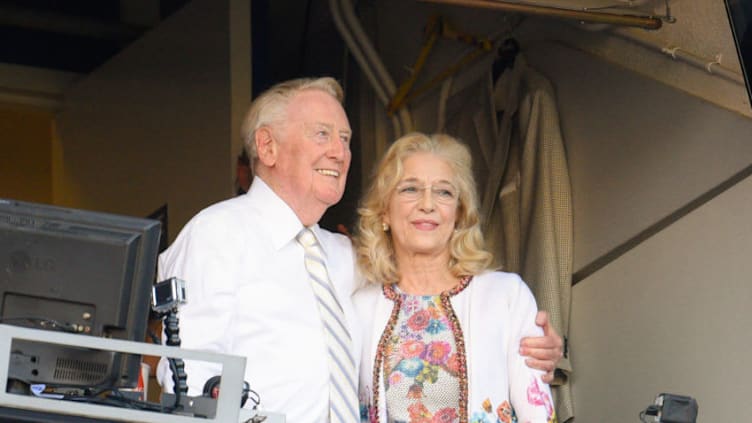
(266, 146)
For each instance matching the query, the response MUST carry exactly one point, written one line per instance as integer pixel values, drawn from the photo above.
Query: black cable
(115, 398)
(255, 397)
(106, 396)
(54, 387)
(43, 322)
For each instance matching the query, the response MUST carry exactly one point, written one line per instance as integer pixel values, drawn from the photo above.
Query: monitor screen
(76, 271)
(740, 18)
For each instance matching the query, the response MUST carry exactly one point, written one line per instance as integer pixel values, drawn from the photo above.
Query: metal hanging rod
(646, 22)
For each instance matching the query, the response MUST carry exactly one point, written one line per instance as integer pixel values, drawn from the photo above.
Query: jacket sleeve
(530, 396)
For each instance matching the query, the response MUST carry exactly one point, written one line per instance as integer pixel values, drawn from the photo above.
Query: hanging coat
(526, 198)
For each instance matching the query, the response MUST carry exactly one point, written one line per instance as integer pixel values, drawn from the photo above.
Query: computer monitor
(78, 271)
(740, 18)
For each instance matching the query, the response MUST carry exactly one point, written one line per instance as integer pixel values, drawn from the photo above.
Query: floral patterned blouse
(452, 357)
(420, 363)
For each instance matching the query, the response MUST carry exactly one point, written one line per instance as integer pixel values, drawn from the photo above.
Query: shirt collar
(279, 218)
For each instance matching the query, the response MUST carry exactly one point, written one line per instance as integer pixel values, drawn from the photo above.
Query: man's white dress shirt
(248, 294)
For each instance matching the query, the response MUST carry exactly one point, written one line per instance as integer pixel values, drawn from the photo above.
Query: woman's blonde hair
(271, 107)
(374, 250)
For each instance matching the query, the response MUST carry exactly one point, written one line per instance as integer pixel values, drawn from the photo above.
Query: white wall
(670, 316)
(159, 122)
(667, 316)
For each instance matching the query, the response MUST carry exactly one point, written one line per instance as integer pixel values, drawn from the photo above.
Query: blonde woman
(441, 331)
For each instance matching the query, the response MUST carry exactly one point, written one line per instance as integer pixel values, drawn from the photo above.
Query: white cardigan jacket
(495, 311)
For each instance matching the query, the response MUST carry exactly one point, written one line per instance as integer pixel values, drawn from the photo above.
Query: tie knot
(306, 238)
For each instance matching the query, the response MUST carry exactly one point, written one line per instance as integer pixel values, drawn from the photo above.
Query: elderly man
(264, 281)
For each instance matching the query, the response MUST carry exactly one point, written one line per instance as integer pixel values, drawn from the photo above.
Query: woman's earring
(385, 226)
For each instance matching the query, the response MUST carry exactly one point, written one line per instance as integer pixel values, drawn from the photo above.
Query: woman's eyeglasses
(443, 193)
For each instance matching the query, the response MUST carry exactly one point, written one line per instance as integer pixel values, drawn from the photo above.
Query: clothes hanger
(505, 55)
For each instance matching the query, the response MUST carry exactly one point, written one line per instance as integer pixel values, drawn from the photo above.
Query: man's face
(314, 152)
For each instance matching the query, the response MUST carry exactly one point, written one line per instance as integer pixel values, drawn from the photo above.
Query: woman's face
(422, 210)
